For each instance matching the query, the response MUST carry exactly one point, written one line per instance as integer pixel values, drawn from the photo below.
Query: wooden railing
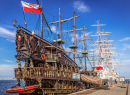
(40, 72)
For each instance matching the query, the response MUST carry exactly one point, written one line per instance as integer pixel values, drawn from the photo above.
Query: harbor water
(5, 84)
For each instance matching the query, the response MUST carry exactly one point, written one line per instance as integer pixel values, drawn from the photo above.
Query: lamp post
(14, 23)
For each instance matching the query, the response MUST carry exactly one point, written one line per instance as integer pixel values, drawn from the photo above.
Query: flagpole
(24, 19)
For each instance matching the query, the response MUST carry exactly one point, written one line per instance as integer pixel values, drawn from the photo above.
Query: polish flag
(31, 7)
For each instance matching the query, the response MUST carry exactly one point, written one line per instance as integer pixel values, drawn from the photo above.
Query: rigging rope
(37, 28)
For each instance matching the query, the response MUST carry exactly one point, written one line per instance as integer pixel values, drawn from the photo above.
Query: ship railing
(51, 56)
(40, 72)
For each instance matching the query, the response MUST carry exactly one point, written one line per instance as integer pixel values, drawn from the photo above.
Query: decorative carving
(19, 64)
(56, 66)
(42, 50)
(18, 83)
(61, 67)
(22, 55)
(31, 63)
(46, 65)
(20, 39)
(40, 82)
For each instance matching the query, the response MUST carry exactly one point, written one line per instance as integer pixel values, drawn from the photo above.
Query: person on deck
(126, 81)
(115, 81)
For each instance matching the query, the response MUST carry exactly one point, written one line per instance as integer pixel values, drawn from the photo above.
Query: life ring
(43, 56)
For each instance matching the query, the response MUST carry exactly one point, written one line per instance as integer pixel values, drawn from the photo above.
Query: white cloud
(11, 40)
(126, 46)
(77, 37)
(125, 39)
(7, 34)
(8, 61)
(126, 62)
(7, 70)
(86, 34)
(121, 54)
(66, 48)
(80, 6)
(53, 29)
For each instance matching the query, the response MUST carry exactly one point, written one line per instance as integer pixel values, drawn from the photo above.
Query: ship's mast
(42, 14)
(74, 37)
(99, 40)
(105, 46)
(93, 63)
(59, 25)
(104, 53)
(41, 24)
(59, 40)
(85, 50)
(74, 46)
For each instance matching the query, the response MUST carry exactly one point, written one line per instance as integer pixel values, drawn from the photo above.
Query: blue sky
(114, 13)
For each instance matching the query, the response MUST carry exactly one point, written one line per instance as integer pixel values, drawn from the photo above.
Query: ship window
(48, 51)
(53, 52)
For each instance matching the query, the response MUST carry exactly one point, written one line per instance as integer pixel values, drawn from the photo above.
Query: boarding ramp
(91, 79)
(98, 83)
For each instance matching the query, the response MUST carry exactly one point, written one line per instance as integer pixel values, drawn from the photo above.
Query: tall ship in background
(48, 68)
(104, 56)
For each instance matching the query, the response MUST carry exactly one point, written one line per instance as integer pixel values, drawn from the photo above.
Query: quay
(117, 89)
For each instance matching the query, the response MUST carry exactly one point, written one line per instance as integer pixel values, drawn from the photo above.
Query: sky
(114, 13)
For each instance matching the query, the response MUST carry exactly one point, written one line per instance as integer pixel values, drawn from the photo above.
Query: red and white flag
(31, 7)
(99, 68)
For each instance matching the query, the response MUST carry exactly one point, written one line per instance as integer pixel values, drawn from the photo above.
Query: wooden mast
(99, 39)
(59, 25)
(41, 25)
(59, 40)
(93, 63)
(85, 50)
(74, 37)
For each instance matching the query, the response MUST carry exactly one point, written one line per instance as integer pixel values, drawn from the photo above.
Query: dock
(117, 89)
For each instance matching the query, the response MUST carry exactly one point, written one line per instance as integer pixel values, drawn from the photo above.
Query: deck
(118, 89)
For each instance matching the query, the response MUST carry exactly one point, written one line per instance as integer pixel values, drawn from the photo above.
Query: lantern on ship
(20, 39)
